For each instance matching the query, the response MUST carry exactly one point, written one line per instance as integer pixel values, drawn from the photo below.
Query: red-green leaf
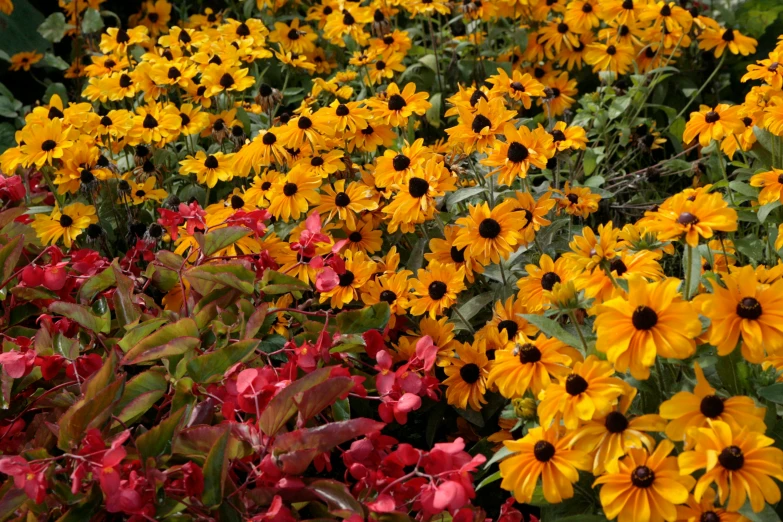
(222, 237)
(216, 471)
(82, 315)
(284, 405)
(322, 395)
(172, 339)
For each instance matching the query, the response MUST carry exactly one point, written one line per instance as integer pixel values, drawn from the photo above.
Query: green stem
(52, 188)
(688, 271)
(696, 94)
(578, 330)
(465, 321)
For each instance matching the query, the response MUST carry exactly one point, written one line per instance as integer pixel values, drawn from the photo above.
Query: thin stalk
(696, 94)
(578, 329)
(435, 50)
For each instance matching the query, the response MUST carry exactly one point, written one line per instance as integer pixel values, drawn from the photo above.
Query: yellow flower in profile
(546, 454)
(717, 39)
(767, 70)
(6, 7)
(209, 169)
(589, 391)
(713, 124)
(617, 58)
(43, 143)
(67, 224)
(466, 376)
(531, 365)
(745, 309)
(435, 289)
(740, 463)
(444, 251)
(694, 216)
(653, 321)
(688, 410)
(490, 235)
(24, 60)
(568, 137)
(706, 510)
(771, 183)
(644, 487)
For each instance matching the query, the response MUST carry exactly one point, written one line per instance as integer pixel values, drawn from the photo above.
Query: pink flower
(448, 496)
(26, 477)
(17, 364)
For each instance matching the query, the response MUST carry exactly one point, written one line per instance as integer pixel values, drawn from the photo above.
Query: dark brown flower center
(686, 218)
(342, 199)
(269, 139)
(644, 318)
(418, 187)
(346, 278)
(642, 477)
(149, 122)
(517, 153)
(437, 290)
(575, 384)
(48, 145)
(401, 162)
(711, 117)
(511, 327)
(480, 122)
(470, 373)
(237, 202)
(616, 422)
(211, 162)
(749, 308)
(66, 221)
(549, 280)
(711, 406)
(543, 451)
(611, 50)
(396, 102)
(529, 353)
(387, 296)
(618, 266)
(457, 254)
(489, 229)
(289, 189)
(731, 458)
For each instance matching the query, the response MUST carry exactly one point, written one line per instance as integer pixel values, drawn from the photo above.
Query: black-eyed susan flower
(559, 92)
(668, 15)
(541, 278)
(557, 34)
(397, 105)
(490, 235)
(155, 124)
(445, 251)
(617, 58)
(567, 137)
(644, 487)
(578, 201)
(652, 321)
(346, 201)
(265, 150)
(414, 201)
(45, 142)
(209, 168)
(621, 11)
(521, 87)
(393, 288)
(747, 310)
(358, 270)
(140, 193)
(294, 37)
(589, 390)
(507, 326)
(707, 510)
(535, 211)
(522, 149)
(478, 130)
(530, 365)
(397, 167)
(718, 39)
(466, 376)
(66, 224)
(590, 249)
(740, 463)
(436, 288)
(545, 454)
(24, 60)
(613, 436)
(713, 124)
(363, 236)
(771, 183)
(693, 217)
(768, 70)
(292, 195)
(341, 117)
(688, 410)
(601, 284)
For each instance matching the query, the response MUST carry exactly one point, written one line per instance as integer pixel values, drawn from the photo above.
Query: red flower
(17, 364)
(28, 477)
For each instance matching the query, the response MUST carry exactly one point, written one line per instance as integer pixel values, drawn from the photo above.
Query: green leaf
(590, 162)
(92, 22)
(472, 307)
(216, 471)
(128, 312)
(96, 284)
(275, 283)
(767, 514)
(157, 440)
(744, 189)
(489, 480)
(373, 317)
(341, 410)
(139, 332)
(82, 315)
(433, 113)
(773, 393)
(9, 257)
(552, 329)
(172, 339)
(223, 237)
(204, 368)
(284, 405)
(88, 413)
(462, 194)
(764, 210)
(54, 27)
(206, 278)
(336, 495)
(430, 62)
(55, 62)
(140, 394)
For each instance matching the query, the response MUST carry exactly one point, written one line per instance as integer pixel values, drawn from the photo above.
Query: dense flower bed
(476, 260)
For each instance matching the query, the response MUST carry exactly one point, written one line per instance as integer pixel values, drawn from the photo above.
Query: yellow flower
(209, 169)
(745, 309)
(644, 487)
(24, 60)
(397, 105)
(540, 279)
(652, 321)
(688, 410)
(717, 39)
(67, 224)
(693, 216)
(740, 463)
(771, 183)
(490, 235)
(713, 124)
(589, 391)
(617, 58)
(519, 86)
(542, 453)
(45, 142)
(479, 129)
(358, 270)
(292, 195)
(346, 201)
(436, 288)
(522, 149)
(466, 377)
